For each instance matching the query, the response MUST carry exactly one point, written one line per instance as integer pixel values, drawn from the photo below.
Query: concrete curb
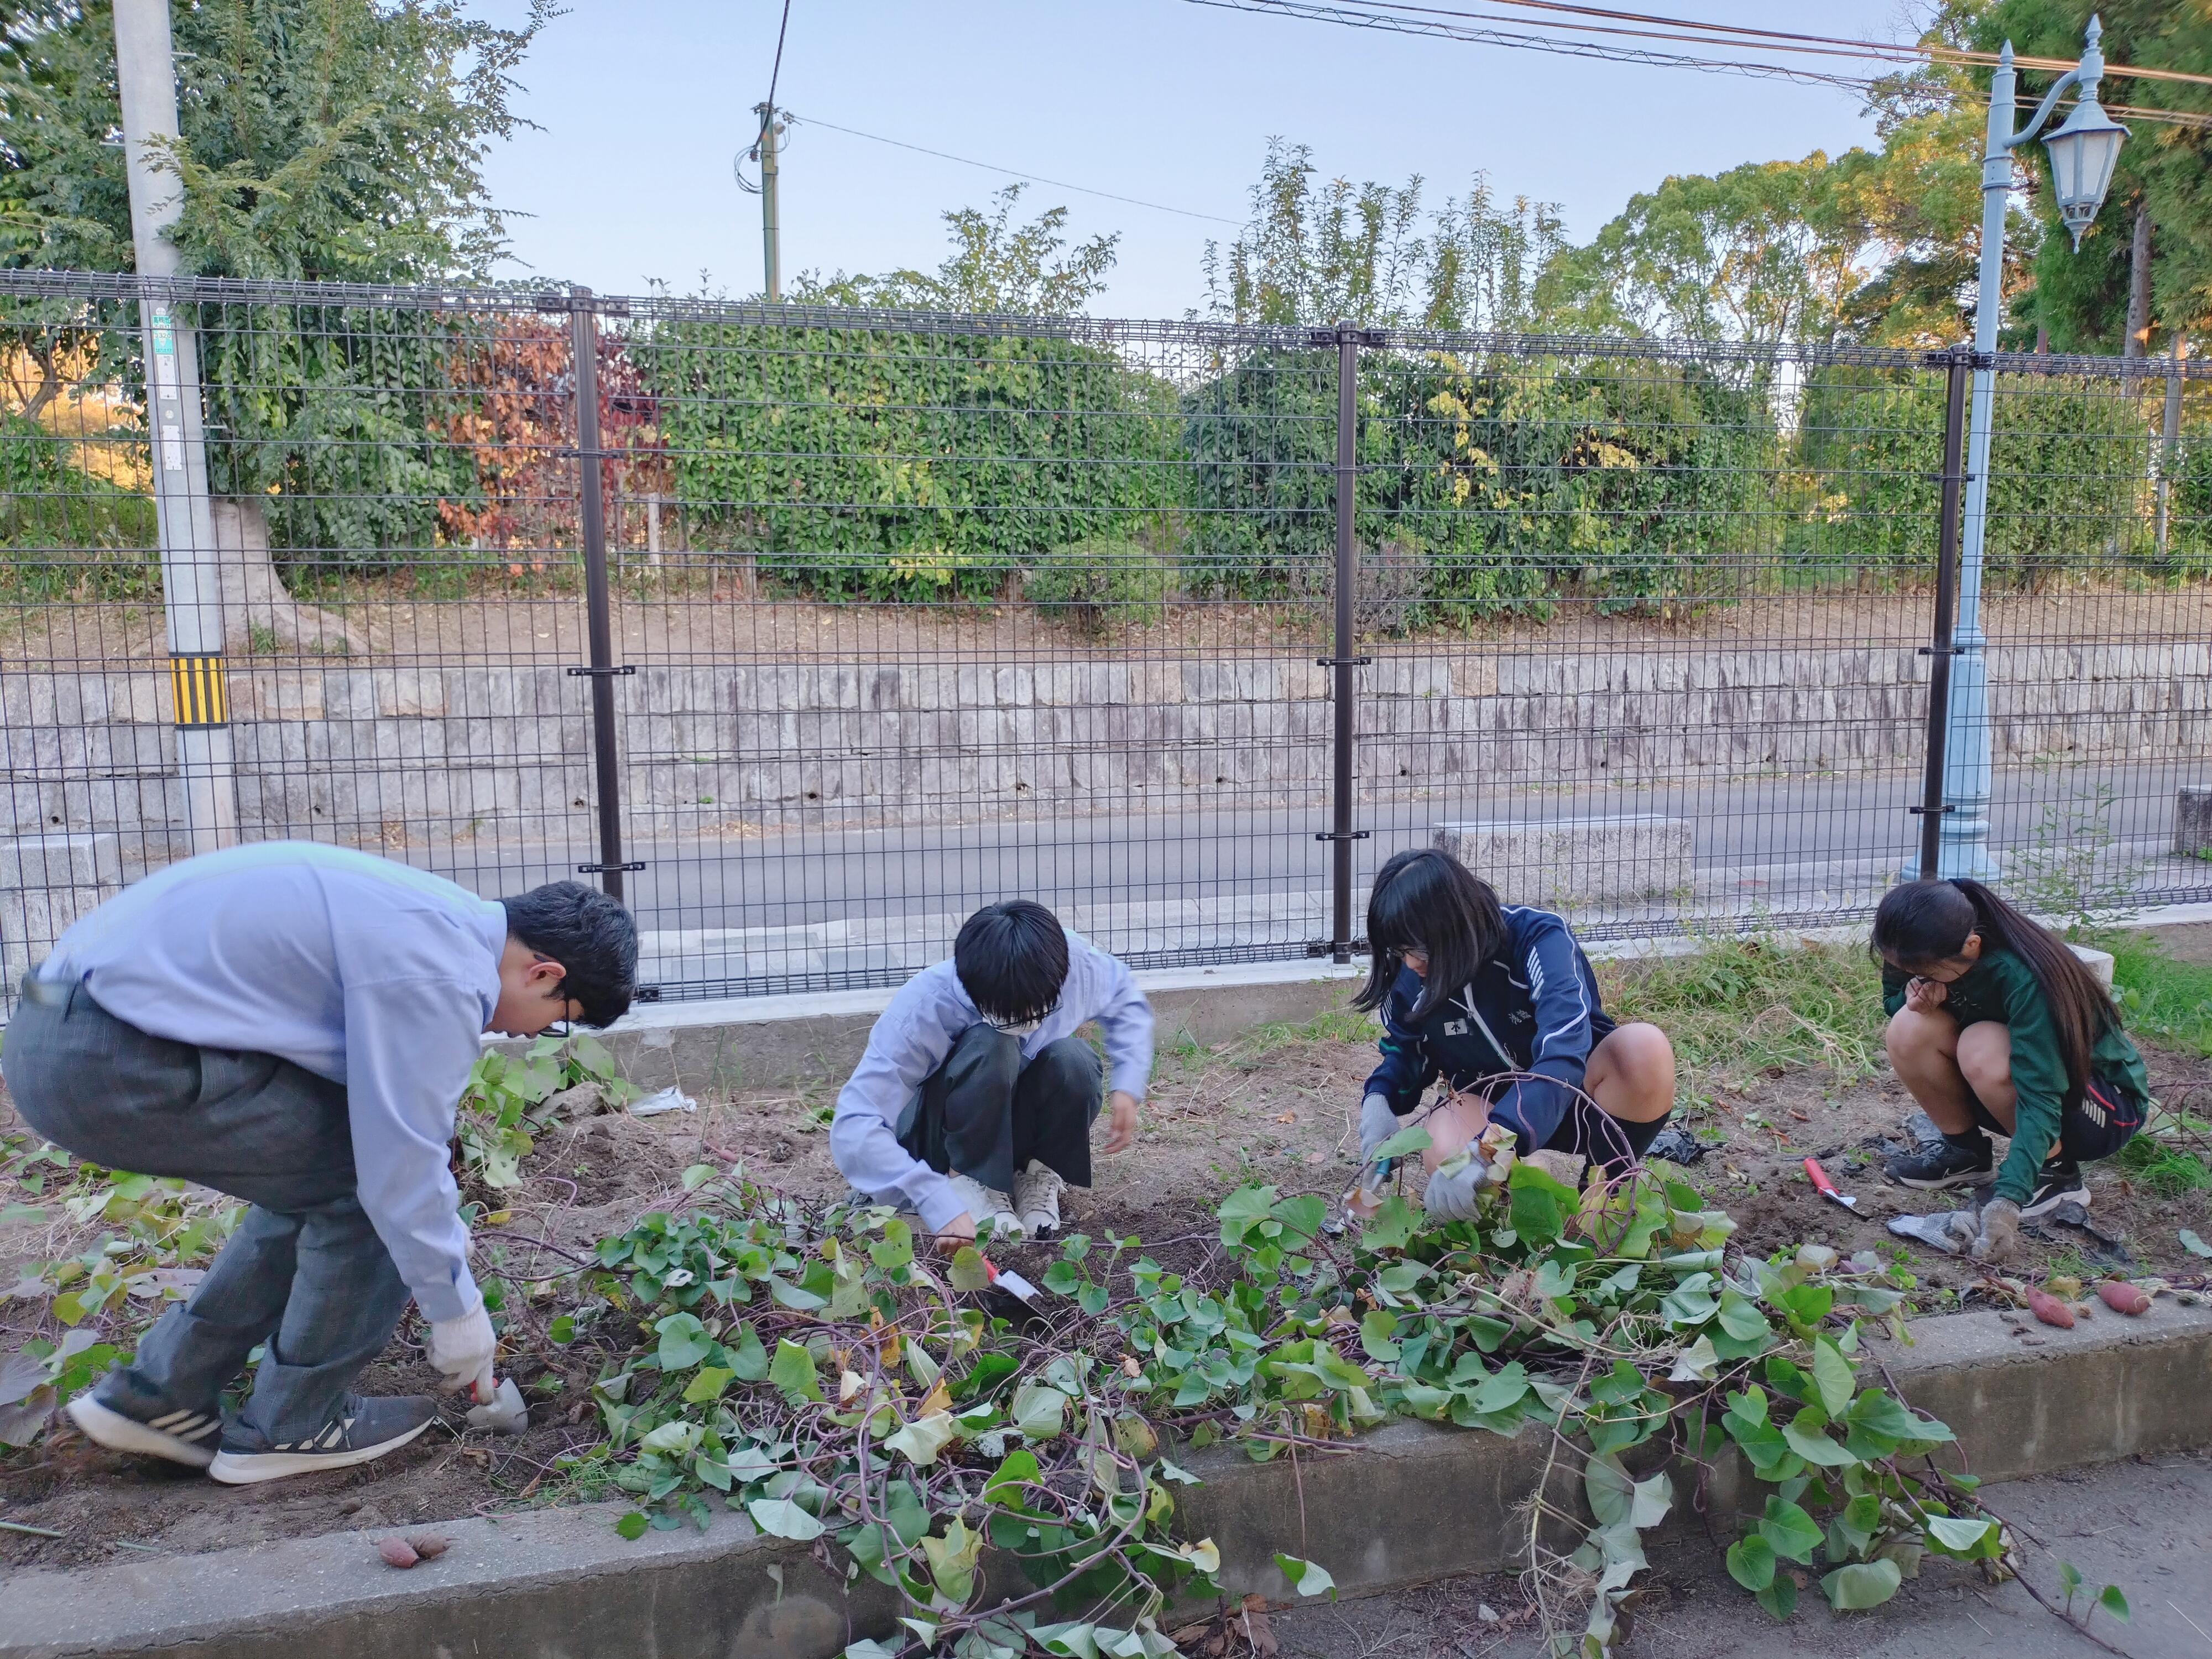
(1413, 1503)
(794, 1042)
(811, 1039)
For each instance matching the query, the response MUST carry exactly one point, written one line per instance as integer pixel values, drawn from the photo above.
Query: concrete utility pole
(771, 252)
(192, 585)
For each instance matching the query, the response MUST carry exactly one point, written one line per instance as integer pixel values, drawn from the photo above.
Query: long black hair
(1428, 900)
(1920, 924)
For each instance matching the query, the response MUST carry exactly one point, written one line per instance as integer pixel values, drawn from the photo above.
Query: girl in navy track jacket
(1473, 993)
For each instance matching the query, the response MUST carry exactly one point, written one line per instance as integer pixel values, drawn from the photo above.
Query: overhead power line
(1441, 26)
(777, 73)
(1011, 172)
(1401, 17)
(1745, 35)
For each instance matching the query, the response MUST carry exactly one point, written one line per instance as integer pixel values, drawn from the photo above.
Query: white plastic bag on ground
(671, 1099)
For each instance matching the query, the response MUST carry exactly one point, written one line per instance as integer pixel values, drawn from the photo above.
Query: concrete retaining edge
(807, 1039)
(1413, 1503)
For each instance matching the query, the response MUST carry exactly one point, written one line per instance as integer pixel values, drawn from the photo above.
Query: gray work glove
(1378, 1123)
(1997, 1238)
(1452, 1190)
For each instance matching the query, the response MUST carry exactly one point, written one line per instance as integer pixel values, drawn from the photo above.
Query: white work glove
(1452, 1190)
(1997, 1237)
(463, 1349)
(1378, 1123)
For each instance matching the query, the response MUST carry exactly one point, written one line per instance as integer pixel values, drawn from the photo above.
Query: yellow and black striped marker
(201, 689)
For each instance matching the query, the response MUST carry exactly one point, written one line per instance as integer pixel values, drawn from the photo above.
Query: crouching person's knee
(1069, 1068)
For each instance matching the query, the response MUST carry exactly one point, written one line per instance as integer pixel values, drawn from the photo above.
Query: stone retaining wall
(430, 753)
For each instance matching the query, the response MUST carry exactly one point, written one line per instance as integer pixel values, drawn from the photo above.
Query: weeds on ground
(1742, 1007)
(2167, 1001)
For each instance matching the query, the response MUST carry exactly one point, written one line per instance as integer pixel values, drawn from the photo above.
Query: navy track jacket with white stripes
(1533, 1006)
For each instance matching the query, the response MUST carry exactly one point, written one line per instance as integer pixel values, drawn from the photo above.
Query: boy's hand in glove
(1378, 1123)
(1997, 1238)
(464, 1348)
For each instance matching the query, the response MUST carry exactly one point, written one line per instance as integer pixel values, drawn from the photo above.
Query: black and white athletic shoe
(160, 1431)
(2055, 1183)
(1935, 1164)
(365, 1428)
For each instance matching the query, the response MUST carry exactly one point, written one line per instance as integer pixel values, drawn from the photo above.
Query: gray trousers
(986, 1112)
(305, 1273)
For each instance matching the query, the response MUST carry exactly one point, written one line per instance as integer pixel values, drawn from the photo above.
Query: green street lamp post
(2082, 150)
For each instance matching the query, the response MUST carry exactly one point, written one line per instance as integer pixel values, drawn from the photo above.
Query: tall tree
(1767, 251)
(1319, 251)
(995, 266)
(339, 140)
(2164, 170)
(1920, 197)
(324, 140)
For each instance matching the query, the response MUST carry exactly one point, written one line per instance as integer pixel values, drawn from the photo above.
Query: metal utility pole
(771, 254)
(192, 586)
(2082, 152)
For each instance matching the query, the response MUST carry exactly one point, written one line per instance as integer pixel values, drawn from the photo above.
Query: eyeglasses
(1016, 1027)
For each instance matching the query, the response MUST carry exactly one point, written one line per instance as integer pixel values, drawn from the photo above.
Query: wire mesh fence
(809, 631)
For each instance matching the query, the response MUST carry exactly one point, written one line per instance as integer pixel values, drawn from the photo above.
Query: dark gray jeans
(986, 1112)
(303, 1274)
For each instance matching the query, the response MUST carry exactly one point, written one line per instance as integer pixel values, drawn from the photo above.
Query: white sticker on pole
(169, 411)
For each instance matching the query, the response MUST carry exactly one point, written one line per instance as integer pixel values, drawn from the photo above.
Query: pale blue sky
(642, 103)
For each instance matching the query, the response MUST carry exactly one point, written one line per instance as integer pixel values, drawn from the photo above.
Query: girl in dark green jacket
(1996, 1026)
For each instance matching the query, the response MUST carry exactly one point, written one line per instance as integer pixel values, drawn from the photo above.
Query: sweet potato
(396, 1552)
(429, 1546)
(2122, 1298)
(2049, 1310)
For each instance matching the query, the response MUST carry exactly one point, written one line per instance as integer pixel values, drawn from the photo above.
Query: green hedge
(1495, 485)
(916, 465)
(2068, 464)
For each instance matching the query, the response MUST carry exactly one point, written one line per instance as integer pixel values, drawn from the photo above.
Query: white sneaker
(1037, 1199)
(986, 1204)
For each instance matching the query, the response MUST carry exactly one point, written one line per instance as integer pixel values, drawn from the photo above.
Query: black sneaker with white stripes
(365, 1428)
(2056, 1182)
(110, 1417)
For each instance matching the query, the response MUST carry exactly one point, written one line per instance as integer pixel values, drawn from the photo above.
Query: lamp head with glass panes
(2082, 153)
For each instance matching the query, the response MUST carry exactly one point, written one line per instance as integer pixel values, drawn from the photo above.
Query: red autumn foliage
(516, 415)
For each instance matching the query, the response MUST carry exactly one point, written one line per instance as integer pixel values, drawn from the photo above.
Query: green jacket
(2001, 987)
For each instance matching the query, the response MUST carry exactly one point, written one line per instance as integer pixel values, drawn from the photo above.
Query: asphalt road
(1760, 835)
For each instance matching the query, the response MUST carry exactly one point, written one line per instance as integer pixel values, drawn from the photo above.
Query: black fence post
(1341, 835)
(584, 335)
(1958, 367)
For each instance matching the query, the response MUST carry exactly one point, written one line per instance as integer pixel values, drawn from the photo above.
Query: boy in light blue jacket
(975, 1100)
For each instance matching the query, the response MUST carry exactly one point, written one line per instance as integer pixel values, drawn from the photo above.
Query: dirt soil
(700, 626)
(1277, 1105)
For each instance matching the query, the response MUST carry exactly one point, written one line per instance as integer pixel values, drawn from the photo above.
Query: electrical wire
(776, 73)
(1744, 35)
(1354, 17)
(1011, 172)
(1440, 22)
